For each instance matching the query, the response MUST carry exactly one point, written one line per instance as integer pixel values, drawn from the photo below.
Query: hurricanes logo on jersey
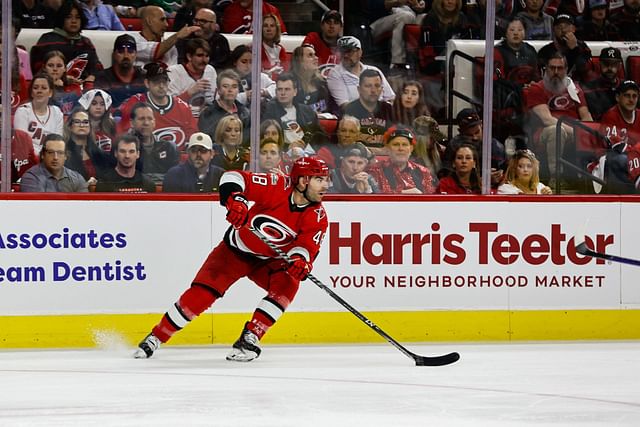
(277, 232)
(321, 213)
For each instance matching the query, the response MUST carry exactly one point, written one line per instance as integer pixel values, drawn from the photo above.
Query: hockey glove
(299, 268)
(237, 209)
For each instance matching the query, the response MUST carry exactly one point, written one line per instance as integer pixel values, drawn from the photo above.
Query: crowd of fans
(172, 113)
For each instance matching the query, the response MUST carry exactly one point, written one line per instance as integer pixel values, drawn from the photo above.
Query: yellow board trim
(324, 328)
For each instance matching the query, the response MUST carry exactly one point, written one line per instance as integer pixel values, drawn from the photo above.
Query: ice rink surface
(550, 384)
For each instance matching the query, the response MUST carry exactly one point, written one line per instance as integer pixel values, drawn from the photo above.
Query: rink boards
(73, 272)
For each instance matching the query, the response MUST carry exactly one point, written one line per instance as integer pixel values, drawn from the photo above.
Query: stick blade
(443, 360)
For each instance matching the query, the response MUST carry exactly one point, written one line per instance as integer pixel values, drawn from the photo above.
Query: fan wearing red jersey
(289, 212)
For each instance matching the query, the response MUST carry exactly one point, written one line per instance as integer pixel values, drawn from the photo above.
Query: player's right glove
(299, 268)
(237, 209)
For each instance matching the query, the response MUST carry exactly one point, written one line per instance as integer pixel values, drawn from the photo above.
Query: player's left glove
(299, 268)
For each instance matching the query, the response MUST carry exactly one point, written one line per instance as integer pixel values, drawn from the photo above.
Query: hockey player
(288, 211)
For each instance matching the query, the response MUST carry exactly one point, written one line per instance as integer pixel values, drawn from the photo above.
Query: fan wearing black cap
(601, 92)
(621, 123)
(397, 174)
(325, 42)
(351, 177)
(596, 24)
(123, 79)
(627, 19)
(565, 41)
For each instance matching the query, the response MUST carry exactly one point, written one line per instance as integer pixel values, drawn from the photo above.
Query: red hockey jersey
(617, 129)
(174, 122)
(295, 229)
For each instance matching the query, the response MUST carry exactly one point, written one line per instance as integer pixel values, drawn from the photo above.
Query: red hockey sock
(191, 304)
(267, 313)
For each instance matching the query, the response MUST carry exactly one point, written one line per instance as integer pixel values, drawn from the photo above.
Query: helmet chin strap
(303, 192)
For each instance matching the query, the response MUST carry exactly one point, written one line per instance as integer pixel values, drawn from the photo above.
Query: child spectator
(66, 90)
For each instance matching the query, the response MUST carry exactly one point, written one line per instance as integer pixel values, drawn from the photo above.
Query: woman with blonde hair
(522, 176)
(228, 152)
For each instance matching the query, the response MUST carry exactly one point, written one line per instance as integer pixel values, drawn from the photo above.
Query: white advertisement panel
(76, 257)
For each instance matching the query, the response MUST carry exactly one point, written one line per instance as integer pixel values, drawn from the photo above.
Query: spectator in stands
(348, 133)
(23, 157)
(410, 104)
(37, 117)
(82, 60)
(19, 86)
(271, 129)
(157, 155)
(274, 57)
(295, 119)
(463, 177)
(601, 92)
(621, 123)
(325, 42)
(397, 174)
(429, 147)
(151, 47)
(219, 51)
(627, 19)
(444, 21)
(123, 79)
(229, 153)
(241, 61)
(538, 24)
(470, 129)
(523, 175)
(238, 17)
(186, 15)
(516, 59)
(596, 25)
(66, 90)
(555, 96)
(343, 80)
(228, 88)
(100, 16)
(31, 13)
(97, 102)
(125, 177)
(51, 175)
(576, 51)
(478, 15)
(312, 86)
(173, 118)
(197, 174)
(351, 177)
(22, 61)
(194, 81)
(83, 154)
(375, 116)
(395, 15)
(270, 157)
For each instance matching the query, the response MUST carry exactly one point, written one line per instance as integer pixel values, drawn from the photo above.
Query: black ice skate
(146, 347)
(245, 349)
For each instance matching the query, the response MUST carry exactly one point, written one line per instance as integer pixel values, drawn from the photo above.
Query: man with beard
(219, 51)
(601, 92)
(122, 80)
(555, 96)
(197, 174)
(325, 42)
(124, 177)
(344, 78)
(173, 117)
(565, 41)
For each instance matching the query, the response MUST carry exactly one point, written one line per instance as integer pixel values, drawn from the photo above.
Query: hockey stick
(445, 359)
(582, 248)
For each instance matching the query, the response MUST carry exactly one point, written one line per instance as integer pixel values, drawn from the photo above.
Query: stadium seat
(329, 126)
(633, 68)
(131, 24)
